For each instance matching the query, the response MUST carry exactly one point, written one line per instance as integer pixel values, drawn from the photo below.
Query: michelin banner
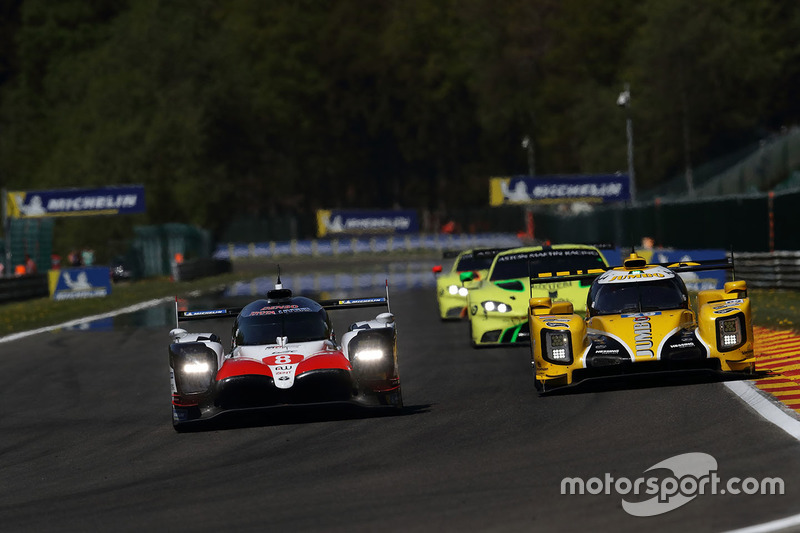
(554, 189)
(341, 223)
(76, 202)
(78, 283)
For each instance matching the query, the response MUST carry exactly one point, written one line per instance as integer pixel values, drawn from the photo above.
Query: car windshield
(471, 261)
(641, 297)
(263, 324)
(526, 264)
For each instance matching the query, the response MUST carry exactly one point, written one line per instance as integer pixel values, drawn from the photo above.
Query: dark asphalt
(87, 445)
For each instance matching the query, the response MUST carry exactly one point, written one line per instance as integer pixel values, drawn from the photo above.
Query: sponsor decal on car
(205, 313)
(648, 274)
(283, 368)
(643, 335)
(556, 322)
(362, 301)
(681, 345)
(279, 310)
(727, 307)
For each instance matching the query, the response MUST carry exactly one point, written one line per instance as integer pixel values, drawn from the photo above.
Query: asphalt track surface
(87, 444)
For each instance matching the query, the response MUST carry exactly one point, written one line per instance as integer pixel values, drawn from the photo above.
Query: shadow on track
(652, 380)
(298, 414)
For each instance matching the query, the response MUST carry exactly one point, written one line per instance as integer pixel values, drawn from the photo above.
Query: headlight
(557, 346)
(196, 367)
(492, 306)
(455, 289)
(730, 332)
(369, 355)
(195, 375)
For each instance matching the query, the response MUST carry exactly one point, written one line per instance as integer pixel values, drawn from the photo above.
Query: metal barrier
(358, 245)
(23, 288)
(776, 270)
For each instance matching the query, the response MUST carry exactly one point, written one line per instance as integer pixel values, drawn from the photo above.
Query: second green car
(498, 306)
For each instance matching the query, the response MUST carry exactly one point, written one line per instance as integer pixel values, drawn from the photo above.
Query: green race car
(469, 267)
(498, 305)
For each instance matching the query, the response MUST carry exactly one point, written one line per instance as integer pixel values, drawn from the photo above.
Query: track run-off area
(87, 442)
(778, 353)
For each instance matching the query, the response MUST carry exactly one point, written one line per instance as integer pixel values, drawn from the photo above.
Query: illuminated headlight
(369, 355)
(730, 332)
(500, 307)
(200, 367)
(453, 289)
(557, 346)
(462, 291)
(194, 375)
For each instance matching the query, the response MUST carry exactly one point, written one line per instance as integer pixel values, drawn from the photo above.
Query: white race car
(283, 352)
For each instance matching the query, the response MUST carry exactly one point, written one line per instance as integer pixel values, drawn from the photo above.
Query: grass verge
(40, 312)
(776, 309)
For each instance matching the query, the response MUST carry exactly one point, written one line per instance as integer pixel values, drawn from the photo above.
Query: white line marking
(78, 321)
(751, 395)
(767, 527)
(772, 412)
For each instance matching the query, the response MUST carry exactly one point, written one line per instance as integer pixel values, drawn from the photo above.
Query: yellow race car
(638, 320)
(498, 305)
(469, 267)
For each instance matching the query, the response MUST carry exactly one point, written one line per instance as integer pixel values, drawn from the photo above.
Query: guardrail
(23, 288)
(776, 270)
(769, 270)
(358, 245)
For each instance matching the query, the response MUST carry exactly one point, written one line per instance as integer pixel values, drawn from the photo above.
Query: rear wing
(589, 275)
(229, 312)
(207, 314)
(355, 303)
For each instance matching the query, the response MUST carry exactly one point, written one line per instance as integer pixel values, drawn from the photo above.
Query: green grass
(776, 309)
(771, 308)
(40, 312)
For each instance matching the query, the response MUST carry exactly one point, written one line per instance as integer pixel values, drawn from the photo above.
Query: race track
(88, 445)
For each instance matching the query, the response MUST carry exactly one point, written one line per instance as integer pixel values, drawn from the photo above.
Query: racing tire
(392, 399)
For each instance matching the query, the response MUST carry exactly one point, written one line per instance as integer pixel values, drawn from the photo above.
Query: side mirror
(385, 318)
(466, 276)
(437, 269)
(561, 308)
(539, 306)
(735, 286)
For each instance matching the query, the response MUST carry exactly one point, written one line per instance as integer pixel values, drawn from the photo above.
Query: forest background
(231, 109)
